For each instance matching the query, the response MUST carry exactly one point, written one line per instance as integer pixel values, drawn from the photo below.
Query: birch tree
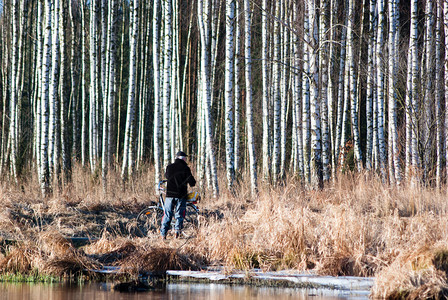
(14, 87)
(54, 98)
(128, 149)
(94, 87)
(44, 112)
(394, 170)
(249, 108)
(429, 90)
(156, 80)
(353, 85)
(276, 95)
(230, 19)
(323, 69)
(265, 92)
(108, 112)
(168, 45)
(203, 6)
(316, 140)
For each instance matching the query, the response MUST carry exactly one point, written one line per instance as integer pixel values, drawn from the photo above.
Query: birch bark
(229, 110)
(249, 108)
(206, 88)
(128, 149)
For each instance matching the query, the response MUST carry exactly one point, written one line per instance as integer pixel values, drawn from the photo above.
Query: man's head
(181, 155)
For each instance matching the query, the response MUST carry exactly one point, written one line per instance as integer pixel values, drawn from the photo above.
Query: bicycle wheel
(149, 219)
(191, 221)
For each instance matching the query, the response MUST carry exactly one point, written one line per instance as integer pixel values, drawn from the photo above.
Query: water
(62, 291)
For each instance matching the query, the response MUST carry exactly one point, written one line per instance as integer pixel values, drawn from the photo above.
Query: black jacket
(178, 175)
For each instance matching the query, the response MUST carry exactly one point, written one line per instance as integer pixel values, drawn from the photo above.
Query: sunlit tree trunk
(340, 94)
(128, 149)
(249, 108)
(316, 139)
(108, 113)
(84, 95)
(276, 95)
(74, 99)
(394, 155)
(445, 28)
(54, 98)
(236, 87)
(15, 52)
(429, 90)
(306, 129)
(64, 117)
(370, 85)
(284, 59)
(297, 98)
(265, 92)
(94, 87)
(380, 89)
(353, 85)
(415, 90)
(228, 96)
(203, 20)
(44, 112)
(168, 51)
(438, 96)
(156, 80)
(323, 69)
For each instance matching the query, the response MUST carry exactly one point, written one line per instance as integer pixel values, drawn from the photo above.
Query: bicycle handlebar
(160, 185)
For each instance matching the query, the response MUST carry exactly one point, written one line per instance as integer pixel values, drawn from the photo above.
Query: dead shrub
(159, 260)
(18, 260)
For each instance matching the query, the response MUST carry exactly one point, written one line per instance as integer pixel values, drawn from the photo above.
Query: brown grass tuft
(159, 260)
(18, 260)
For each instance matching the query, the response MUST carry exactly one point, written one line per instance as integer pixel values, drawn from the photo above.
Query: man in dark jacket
(178, 176)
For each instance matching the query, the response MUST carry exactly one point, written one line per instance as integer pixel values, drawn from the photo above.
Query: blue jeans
(177, 207)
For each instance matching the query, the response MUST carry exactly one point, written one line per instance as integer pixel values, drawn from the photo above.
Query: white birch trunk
(128, 150)
(206, 89)
(340, 95)
(228, 96)
(316, 141)
(429, 89)
(306, 122)
(249, 108)
(265, 92)
(110, 96)
(445, 28)
(323, 69)
(415, 91)
(84, 95)
(53, 101)
(297, 97)
(394, 155)
(168, 44)
(380, 89)
(276, 95)
(14, 86)
(370, 85)
(236, 86)
(93, 118)
(353, 85)
(284, 58)
(156, 80)
(37, 121)
(63, 116)
(438, 96)
(46, 66)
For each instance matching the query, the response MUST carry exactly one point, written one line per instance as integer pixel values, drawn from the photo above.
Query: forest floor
(356, 226)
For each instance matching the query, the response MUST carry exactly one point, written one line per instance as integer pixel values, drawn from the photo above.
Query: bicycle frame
(162, 191)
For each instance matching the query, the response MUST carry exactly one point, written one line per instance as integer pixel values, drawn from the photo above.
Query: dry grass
(355, 226)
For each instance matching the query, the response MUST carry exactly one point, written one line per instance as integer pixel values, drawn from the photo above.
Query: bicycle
(150, 218)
